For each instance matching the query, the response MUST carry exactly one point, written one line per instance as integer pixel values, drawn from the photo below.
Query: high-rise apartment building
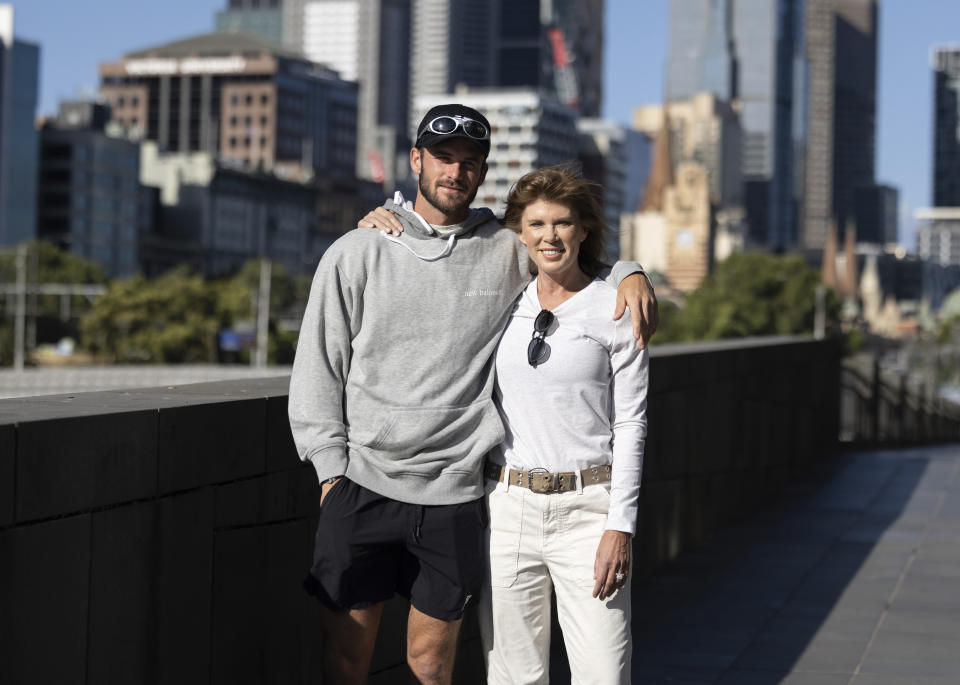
(368, 41)
(555, 46)
(946, 126)
(841, 48)
(19, 76)
(246, 101)
(750, 53)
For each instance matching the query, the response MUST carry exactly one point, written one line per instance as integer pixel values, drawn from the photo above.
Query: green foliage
(50, 264)
(176, 317)
(171, 319)
(752, 293)
(46, 263)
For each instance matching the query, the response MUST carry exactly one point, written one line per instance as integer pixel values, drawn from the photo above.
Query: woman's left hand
(612, 562)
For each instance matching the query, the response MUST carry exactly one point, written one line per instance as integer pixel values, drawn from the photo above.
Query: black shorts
(369, 547)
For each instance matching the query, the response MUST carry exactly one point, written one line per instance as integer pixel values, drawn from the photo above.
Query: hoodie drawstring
(446, 250)
(417, 522)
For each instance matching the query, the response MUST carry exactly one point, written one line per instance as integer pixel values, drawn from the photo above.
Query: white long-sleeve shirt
(585, 403)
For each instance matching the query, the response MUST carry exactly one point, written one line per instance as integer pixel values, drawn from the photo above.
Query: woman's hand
(613, 561)
(382, 218)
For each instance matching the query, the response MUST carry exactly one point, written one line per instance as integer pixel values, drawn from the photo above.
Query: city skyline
(636, 34)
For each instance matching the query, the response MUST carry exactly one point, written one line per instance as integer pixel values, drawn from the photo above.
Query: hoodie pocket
(419, 439)
(420, 433)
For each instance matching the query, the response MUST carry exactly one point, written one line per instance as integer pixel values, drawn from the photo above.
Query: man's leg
(348, 640)
(431, 647)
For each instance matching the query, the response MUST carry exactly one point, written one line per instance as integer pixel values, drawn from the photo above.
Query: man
(391, 400)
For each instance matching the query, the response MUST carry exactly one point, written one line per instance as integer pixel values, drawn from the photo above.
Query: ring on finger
(620, 577)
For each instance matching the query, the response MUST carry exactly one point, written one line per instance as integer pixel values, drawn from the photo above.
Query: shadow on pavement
(795, 594)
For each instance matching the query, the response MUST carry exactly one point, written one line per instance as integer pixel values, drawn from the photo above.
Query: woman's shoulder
(598, 292)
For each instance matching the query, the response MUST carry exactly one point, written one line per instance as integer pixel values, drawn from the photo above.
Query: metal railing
(879, 406)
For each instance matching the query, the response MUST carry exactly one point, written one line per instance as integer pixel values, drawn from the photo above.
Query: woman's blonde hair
(564, 185)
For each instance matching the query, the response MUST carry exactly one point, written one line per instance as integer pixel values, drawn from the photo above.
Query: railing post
(904, 424)
(875, 402)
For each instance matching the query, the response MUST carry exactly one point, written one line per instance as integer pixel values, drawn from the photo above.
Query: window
(246, 141)
(120, 102)
(264, 99)
(233, 142)
(234, 99)
(233, 121)
(247, 121)
(263, 141)
(135, 101)
(249, 99)
(263, 121)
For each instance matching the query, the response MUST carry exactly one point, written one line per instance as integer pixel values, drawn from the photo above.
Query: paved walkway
(854, 579)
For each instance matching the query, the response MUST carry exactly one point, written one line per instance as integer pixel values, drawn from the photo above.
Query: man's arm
(634, 289)
(320, 370)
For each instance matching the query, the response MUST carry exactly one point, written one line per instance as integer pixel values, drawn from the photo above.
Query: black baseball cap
(427, 138)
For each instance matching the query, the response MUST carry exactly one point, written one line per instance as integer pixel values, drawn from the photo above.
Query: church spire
(661, 171)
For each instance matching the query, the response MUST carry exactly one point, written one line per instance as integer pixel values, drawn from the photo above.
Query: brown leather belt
(544, 482)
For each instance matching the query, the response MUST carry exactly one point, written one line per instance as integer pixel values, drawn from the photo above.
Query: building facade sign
(188, 65)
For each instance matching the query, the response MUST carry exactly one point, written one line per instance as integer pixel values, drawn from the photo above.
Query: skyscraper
(19, 75)
(553, 46)
(368, 41)
(946, 126)
(750, 53)
(841, 51)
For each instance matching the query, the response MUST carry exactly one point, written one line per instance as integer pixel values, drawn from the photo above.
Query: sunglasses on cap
(448, 123)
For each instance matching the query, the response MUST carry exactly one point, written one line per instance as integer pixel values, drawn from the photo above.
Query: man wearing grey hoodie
(391, 401)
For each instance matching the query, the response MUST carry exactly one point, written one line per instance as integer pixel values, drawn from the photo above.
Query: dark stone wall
(161, 535)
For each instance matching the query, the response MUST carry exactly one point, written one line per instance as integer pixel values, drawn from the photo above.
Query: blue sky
(76, 36)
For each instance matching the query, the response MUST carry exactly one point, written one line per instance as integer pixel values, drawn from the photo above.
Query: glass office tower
(19, 78)
(946, 126)
(750, 52)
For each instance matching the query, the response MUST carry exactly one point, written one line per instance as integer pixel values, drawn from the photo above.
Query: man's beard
(447, 205)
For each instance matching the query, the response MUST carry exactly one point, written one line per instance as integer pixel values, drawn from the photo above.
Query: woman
(571, 388)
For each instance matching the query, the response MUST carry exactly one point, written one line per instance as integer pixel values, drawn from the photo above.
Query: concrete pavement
(854, 578)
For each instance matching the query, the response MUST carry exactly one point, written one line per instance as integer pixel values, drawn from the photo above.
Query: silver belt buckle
(553, 486)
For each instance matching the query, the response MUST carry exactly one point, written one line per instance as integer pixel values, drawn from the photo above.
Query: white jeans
(539, 541)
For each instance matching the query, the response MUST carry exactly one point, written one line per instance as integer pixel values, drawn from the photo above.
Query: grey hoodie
(392, 382)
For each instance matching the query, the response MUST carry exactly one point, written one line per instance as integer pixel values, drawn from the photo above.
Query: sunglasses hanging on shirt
(537, 349)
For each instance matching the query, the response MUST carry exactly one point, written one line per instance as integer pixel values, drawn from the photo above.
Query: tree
(171, 319)
(47, 263)
(176, 317)
(751, 293)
